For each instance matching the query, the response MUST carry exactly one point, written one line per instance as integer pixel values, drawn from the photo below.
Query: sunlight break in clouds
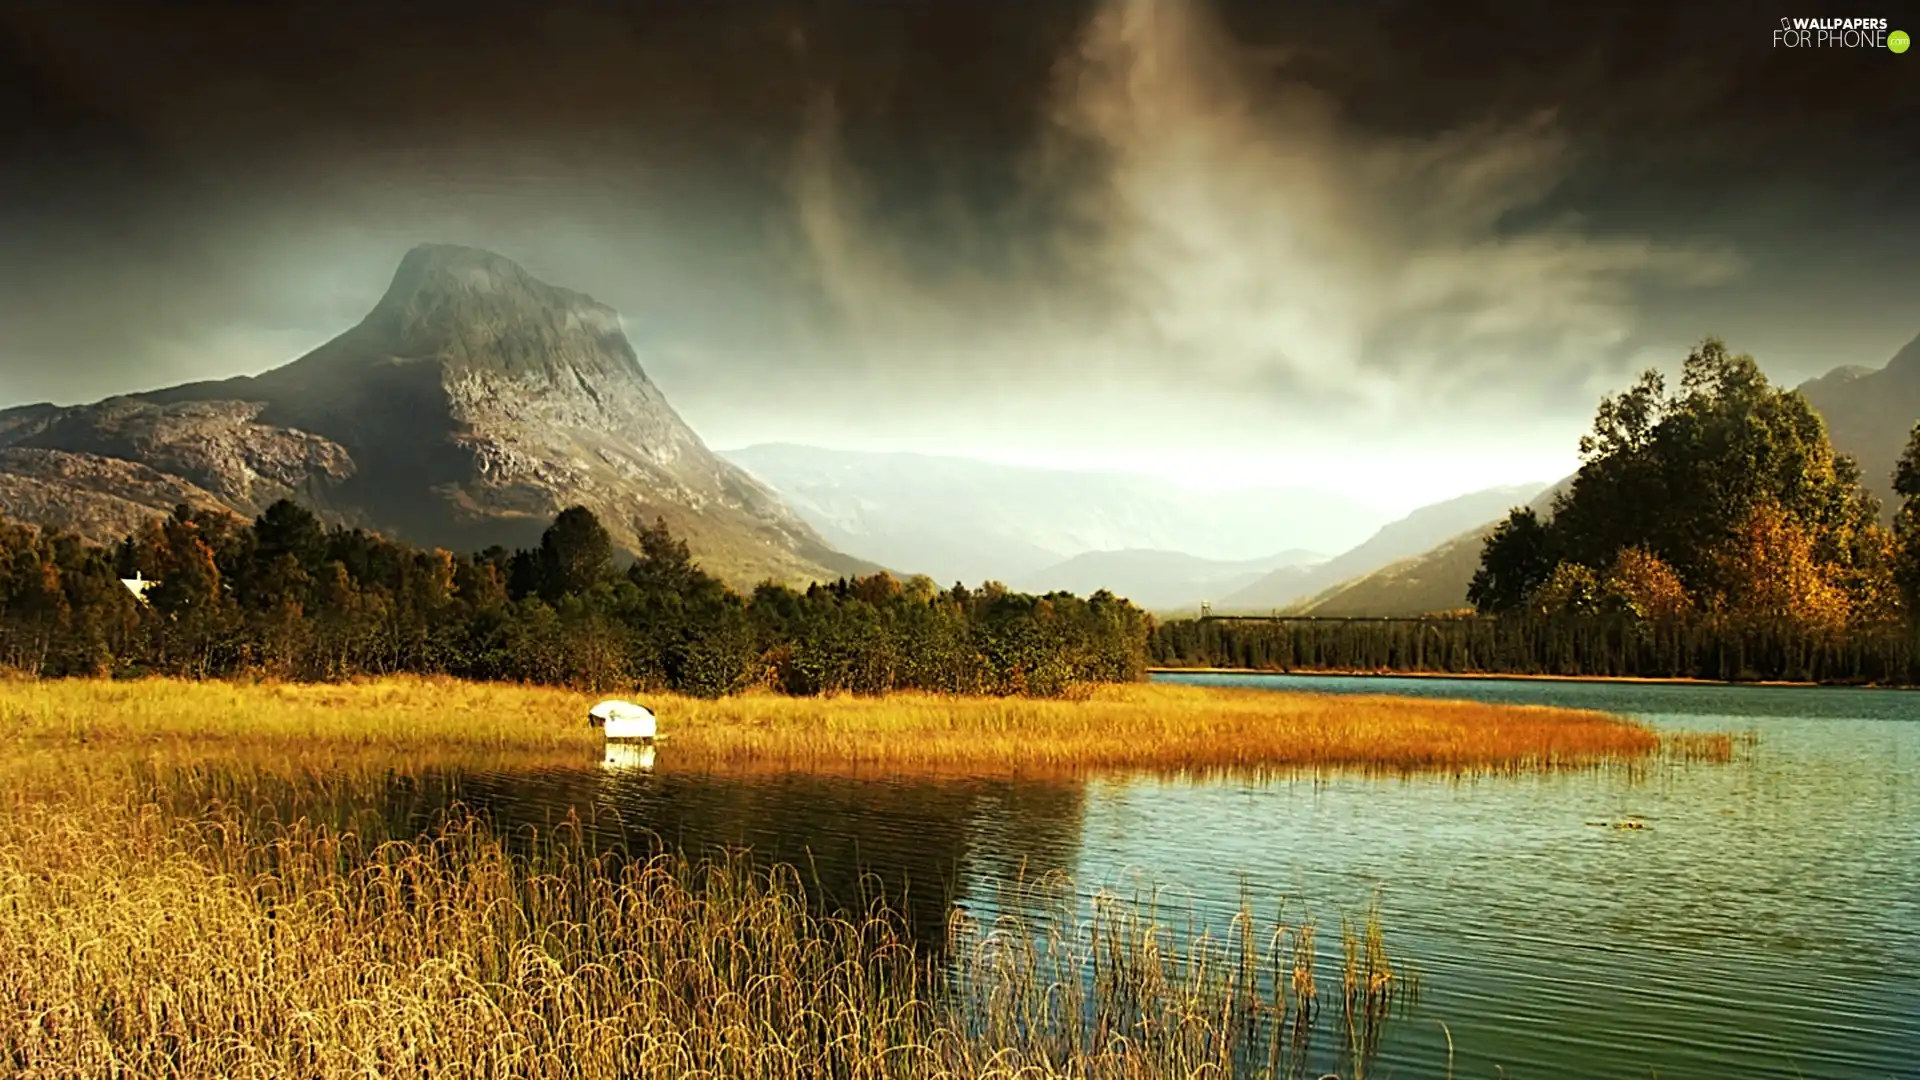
(1230, 243)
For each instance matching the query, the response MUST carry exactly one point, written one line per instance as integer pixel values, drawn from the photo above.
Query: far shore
(1497, 676)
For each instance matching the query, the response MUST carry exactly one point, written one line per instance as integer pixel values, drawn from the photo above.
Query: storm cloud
(1381, 247)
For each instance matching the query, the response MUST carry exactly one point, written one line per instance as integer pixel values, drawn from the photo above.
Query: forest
(1602, 646)
(286, 597)
(1711, 532)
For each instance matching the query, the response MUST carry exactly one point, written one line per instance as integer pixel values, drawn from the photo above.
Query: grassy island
(1144, 727)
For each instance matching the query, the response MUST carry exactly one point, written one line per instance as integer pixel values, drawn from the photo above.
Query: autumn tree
(33, 600)
(1773, 572)
(1640, 585)
(877, 589)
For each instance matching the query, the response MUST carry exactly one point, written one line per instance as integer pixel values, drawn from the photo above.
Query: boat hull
(635, 728)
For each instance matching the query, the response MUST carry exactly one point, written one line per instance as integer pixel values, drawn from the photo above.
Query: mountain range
(1167, 549)
(469, 406)
(958, 519)
(1869, 413)
(1411, 536)
(1434, 580)
(1161, 581)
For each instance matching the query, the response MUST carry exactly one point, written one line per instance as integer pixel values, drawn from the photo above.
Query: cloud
(1219, 226)
(1206, 238)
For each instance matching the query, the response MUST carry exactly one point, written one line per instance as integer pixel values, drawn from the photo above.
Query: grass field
(147, 935)
(181, 895)
(1155, 727)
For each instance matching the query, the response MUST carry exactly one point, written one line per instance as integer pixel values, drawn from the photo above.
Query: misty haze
(1007, 448)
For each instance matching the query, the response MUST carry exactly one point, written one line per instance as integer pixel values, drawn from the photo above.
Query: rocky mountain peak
(439, 272)
(469, 406)
(478, 310)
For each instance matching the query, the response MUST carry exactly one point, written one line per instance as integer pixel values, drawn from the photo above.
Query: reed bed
(1717, 747)
(1131, 727)
(418, 714)
(1156, 727)
(140, 941)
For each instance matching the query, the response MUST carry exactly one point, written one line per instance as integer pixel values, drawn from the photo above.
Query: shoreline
(1341, 673)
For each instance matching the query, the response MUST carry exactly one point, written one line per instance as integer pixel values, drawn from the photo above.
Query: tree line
(1608, 645)
(286, 596)
(1712, 531)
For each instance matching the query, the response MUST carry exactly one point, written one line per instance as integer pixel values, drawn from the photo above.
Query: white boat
(623, 720)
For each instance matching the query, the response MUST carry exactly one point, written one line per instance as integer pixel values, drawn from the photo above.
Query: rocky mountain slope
(964, 520)
(471, 404)
(1410, 536)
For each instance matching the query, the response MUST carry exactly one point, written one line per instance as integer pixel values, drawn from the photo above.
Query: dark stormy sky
(1397, 248)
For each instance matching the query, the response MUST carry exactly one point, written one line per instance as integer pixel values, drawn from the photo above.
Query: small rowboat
(623, 720)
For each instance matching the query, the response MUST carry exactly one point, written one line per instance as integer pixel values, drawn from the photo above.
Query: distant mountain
(1869, 414)
(1415, 534)
(963, 520)
(1159, 580)
(1432, 581)
(472, 404)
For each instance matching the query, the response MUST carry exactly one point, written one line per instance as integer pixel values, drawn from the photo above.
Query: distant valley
(1162, 581)
(1166, 549)
(957, 519)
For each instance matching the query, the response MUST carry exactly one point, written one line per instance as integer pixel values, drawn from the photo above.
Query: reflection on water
(1754, 919)
(918, 843)
(624, 756)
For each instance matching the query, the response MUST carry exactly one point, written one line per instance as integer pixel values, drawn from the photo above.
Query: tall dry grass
(1717, 747)
(136, 941)
(1158, 727)
(155, 922)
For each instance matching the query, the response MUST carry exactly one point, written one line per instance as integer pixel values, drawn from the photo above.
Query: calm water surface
(1764, 923)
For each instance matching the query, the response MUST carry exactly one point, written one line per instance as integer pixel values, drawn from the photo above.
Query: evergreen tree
(1517, 559)
(1906, 522)
(576, 553)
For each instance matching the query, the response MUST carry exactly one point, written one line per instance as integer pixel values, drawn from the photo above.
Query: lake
(1764, 921)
